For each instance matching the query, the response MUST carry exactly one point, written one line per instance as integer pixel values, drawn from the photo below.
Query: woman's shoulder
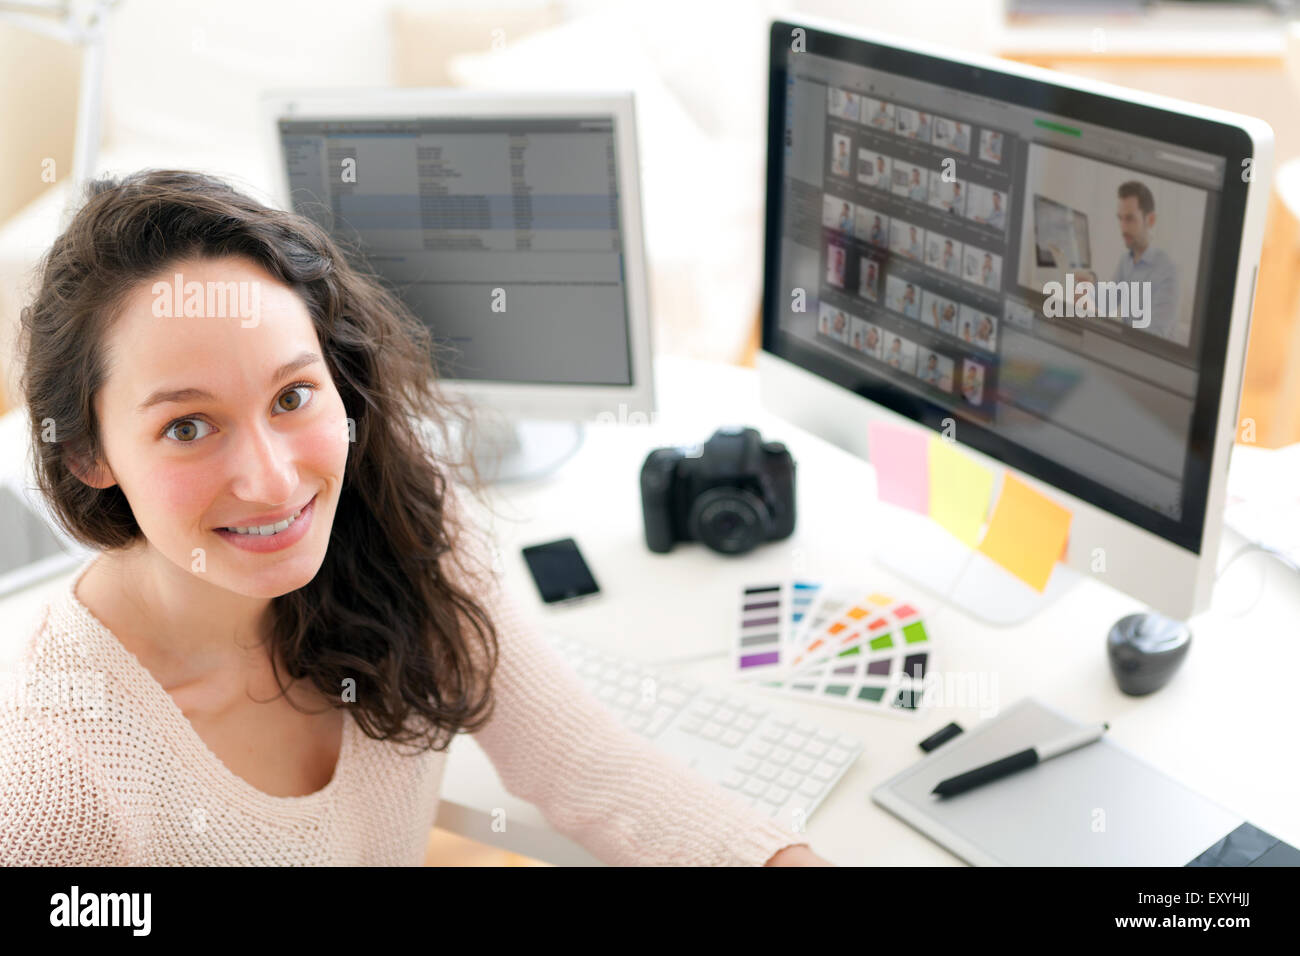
(59, 807)
(56, 712)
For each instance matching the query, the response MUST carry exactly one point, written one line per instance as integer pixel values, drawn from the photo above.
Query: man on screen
(1136, 212)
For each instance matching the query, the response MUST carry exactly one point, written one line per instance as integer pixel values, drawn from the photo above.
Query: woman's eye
(187, 430)
(293, 399)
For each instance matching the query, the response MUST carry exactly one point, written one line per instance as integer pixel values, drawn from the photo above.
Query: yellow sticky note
(1027, 534)
(960, 489)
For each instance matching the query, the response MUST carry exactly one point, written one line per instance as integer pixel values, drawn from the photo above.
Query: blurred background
(180, 83)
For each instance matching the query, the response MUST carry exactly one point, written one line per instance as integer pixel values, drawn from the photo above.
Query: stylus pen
(1020, 761)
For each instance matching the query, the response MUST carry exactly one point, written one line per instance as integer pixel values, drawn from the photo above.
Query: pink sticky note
(901, 458)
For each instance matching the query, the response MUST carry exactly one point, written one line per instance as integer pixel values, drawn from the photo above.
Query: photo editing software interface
(1042, 277)
(503, 235)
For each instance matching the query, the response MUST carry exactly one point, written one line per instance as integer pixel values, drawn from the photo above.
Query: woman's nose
(264, 467)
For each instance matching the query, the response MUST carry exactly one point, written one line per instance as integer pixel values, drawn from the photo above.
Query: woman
(287, 616)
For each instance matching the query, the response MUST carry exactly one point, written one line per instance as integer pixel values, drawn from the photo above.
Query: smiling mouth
(268, 530)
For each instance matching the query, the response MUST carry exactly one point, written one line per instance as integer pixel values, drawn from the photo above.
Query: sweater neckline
(179, 726)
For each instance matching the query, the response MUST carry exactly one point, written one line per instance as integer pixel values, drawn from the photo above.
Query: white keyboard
(781, 766)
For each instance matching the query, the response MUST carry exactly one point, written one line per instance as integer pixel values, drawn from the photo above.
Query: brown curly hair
(390, 607)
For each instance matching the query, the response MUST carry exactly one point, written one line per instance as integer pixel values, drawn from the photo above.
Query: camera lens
(729, 520)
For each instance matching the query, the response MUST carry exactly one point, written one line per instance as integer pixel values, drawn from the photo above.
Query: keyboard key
(768, 771)
(733, 779)
(760, 749)
(849, 744)
(733, 738)
(795, 741)
(755, 711)
(724, 716)
(815, 749)
(771, 734)
(781, 756)
(672, 696)
(802, 764)
(656, 725)
(711, 731)
(805, 728)
(754, 786)
(748, 764)
(789, 778)
(811, 787)
(703, 710)
(782, 722)
(777, 795)
(823, 771)
(692, 725)
(745, 723)
(837, 756)
(825, 736)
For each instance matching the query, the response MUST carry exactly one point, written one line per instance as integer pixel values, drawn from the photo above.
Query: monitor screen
(503, 235)
(1047, 272)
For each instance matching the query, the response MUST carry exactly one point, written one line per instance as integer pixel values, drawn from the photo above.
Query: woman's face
(212, 423)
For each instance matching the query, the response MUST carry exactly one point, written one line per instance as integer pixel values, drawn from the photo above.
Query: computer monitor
(510, 225)
(1126, 417)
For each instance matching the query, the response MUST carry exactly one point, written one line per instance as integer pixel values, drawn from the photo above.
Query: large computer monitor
(510, 224)
(912, 193)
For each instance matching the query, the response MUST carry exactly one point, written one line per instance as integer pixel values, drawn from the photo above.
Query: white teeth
(267, 529)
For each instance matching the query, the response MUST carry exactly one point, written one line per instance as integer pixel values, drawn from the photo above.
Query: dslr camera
(733, 492)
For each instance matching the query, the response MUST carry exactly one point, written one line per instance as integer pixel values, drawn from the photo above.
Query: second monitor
(510, 225)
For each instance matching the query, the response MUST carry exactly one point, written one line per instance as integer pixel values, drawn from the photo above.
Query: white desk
(1225, 724)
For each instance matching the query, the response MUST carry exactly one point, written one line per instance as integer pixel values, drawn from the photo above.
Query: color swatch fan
(863, 651)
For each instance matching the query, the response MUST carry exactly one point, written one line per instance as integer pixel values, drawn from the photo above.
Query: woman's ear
(96, 474)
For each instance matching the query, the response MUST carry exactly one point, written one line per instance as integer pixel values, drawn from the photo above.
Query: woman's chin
(276, 578)
(272, 583)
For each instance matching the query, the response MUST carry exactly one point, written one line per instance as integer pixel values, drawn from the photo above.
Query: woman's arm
(799, 855)
(555, 745)
(55, 808)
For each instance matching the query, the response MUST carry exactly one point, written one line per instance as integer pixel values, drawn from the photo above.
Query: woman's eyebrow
(164, 395)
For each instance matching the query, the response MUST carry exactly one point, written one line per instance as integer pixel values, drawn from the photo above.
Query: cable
(1251, 547)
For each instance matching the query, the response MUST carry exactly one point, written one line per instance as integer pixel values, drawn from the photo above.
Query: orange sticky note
(1027, 533)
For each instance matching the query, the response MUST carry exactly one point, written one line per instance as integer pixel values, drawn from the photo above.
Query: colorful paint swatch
(960, 489)
(828, 604)
(1027, 534)
(803, 594)
(862, 624)
(900, 456)
(762, 628)
(892, 684)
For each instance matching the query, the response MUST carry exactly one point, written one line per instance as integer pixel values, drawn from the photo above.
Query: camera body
(732, 493)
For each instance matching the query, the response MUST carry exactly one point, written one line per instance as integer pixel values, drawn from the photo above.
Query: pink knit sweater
(98, 765)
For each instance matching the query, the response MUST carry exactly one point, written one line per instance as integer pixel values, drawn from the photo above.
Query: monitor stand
(919, 549)
(508, 450)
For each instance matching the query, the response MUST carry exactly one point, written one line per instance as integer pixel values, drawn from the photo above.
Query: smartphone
(560, 573)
